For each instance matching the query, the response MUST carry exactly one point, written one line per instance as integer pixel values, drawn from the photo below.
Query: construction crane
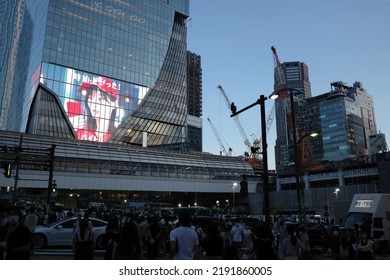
(279, 68)
(235, 118)
(256, 145)
(226, 152)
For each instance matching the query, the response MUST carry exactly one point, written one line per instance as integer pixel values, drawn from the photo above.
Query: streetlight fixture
(311, 134)
(261, 102)
(234, 186)
(296, 143)
(336, 192)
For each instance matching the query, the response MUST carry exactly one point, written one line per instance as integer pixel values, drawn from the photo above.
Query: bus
(371, 210)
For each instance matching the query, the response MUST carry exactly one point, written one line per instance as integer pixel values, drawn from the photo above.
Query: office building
(346, 117)
(194, 97)
(295, 76)
(110, 71)
(10, 30)
(111, 85)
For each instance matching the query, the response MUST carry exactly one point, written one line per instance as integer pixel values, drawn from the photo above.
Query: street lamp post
(299, 165)
(296, 142)
(265, 176)
(234, 200)
(336, 192)
(275, 95)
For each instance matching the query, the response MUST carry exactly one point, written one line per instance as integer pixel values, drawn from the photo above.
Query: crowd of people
(150, 236)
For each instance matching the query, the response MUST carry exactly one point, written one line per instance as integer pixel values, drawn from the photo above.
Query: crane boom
(279, 69)
(235, 118)
(219, 139)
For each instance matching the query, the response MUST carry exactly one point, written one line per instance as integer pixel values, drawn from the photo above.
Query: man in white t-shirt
(31, 220)
(184, 240)
(237, 234)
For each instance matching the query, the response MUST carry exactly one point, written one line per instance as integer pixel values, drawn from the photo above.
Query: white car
(61, 233)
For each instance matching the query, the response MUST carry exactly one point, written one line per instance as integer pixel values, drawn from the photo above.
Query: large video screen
(95, 105)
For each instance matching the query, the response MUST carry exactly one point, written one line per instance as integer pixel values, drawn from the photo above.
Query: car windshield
(355, 218)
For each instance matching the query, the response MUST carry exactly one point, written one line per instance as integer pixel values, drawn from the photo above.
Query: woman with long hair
(129, 246)
(84, 242)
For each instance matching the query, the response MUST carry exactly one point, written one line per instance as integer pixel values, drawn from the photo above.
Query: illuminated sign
(116, 12)
(363, 203)
(95, 105)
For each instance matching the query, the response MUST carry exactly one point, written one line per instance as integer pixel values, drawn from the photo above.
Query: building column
(278, 187)
(341, 178)
(306, 180)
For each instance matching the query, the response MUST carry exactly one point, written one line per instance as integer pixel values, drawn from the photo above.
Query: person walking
(351, 242)
(291, 246)
(184, 240)
(212, 244)
(111, 238)
(364, 247)
(31, 222)
(129, 245)
(237, 234)
(154, 238)
(17, 242)
(165, 230)
(304, 238)
(264, 242)
(84, 242)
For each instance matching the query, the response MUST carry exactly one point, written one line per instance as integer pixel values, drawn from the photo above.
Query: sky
(339, 40)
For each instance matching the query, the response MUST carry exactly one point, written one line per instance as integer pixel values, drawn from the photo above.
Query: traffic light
(54, 188)
(18, 150)
(7, 169)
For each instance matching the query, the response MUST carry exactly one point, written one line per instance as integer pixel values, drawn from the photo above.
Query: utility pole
(265, 176)
(18, 151)
(51, 171)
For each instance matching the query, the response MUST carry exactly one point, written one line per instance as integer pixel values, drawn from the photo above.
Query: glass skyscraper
(296, 76)
(104, 71)
(10, 29)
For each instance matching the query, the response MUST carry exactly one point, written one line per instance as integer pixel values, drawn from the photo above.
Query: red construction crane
(279, 69)
(279, 72)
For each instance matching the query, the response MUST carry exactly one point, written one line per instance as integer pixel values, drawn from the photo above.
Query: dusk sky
(344, 40)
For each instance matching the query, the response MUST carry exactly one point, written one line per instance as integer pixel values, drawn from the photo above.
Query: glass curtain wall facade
(366, 104)
(11, 12)
(194, 96)
(118, 70)
(296, 75)
(342, 128)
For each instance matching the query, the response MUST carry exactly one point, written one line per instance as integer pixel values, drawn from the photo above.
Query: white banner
(202, 269)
